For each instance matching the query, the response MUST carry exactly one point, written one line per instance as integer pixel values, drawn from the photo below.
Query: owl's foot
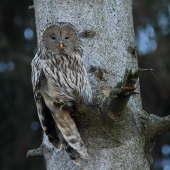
(53, 100)
(63, 102)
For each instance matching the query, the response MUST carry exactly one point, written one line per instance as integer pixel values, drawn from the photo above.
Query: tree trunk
(117, 132)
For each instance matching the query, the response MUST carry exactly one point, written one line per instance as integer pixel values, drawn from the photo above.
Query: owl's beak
(61, 46)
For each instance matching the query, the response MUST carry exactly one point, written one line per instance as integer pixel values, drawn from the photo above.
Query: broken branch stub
(120, 96)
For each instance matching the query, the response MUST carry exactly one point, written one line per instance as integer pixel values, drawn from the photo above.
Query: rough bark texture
(114, 140)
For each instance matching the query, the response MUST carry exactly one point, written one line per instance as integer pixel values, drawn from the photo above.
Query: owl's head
(60, 37)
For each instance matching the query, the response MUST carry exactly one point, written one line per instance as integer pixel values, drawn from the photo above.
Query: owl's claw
(63, 102)
(53, 100)
(61, 107)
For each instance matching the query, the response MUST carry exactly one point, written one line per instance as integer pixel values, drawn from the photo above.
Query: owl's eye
(66, 37)
(53, 38)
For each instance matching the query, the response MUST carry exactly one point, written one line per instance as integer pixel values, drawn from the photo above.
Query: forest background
(19, 125)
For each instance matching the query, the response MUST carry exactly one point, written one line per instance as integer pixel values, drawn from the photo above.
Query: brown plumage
(58, 70)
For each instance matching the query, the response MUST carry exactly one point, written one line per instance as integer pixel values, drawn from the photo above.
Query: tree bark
(117, 132)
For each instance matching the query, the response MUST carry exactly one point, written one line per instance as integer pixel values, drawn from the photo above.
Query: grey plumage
(58, 70)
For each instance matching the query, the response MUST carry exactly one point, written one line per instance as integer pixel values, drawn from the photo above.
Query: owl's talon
(61, 107)
(63, 102)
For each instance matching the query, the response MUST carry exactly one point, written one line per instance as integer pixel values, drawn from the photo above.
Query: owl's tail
(73, 143)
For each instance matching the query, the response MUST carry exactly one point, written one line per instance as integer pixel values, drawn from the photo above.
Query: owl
(58, 70)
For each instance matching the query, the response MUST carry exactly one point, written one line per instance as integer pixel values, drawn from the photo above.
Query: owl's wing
(44, 114)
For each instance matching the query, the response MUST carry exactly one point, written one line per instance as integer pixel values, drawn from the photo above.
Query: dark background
(19, 124)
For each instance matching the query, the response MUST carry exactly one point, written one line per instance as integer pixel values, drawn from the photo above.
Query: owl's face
(60, 38)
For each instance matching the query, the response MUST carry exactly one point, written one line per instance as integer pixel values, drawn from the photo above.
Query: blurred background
(19, 125)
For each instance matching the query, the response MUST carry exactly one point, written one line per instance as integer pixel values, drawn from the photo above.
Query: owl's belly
(59, 91)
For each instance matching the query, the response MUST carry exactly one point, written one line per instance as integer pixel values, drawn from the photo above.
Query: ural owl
(58, 70)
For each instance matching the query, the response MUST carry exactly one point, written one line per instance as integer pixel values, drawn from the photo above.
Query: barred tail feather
(71, 135)
(74, 156)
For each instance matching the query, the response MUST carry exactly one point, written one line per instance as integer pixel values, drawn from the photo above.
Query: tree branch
(87, 34)
(35, 152)
(31, 8)
(120, 96)
(156, 126)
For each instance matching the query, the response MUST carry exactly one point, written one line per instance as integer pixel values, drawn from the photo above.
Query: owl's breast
(64, 75)
(61, 79)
